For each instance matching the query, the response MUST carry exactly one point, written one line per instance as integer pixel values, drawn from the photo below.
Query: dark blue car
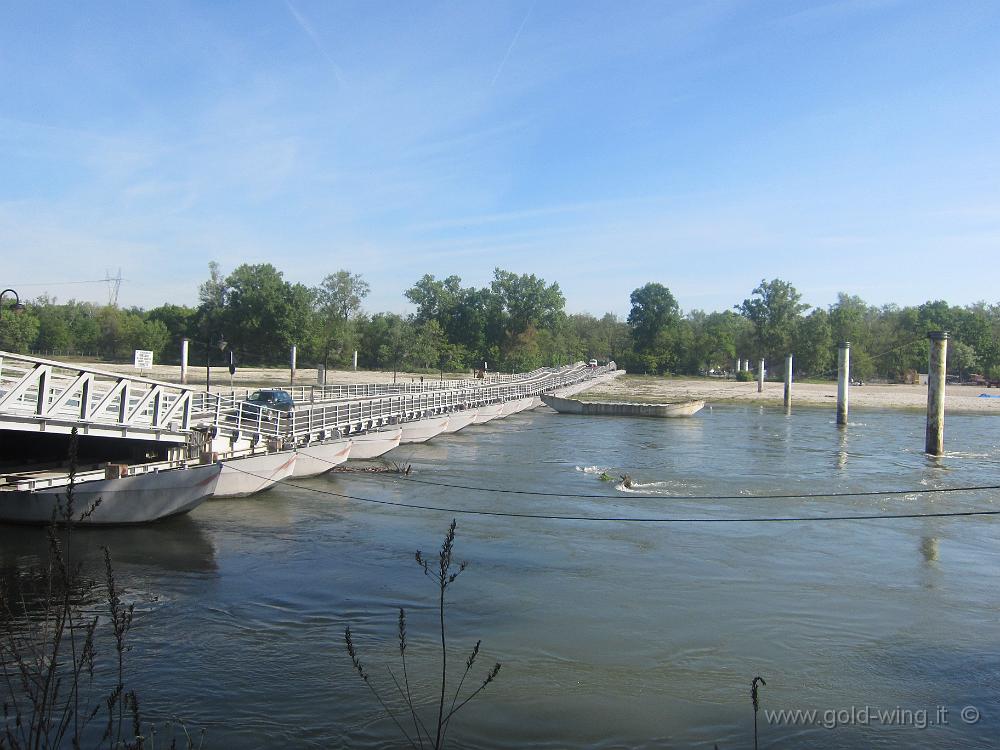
(270, 398)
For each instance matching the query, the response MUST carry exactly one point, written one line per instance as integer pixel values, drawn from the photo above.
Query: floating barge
(616, 409)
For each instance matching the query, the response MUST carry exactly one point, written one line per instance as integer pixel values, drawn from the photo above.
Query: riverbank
(275, 377)
(644, 388)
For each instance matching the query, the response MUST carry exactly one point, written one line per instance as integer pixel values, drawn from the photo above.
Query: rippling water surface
(611, 634)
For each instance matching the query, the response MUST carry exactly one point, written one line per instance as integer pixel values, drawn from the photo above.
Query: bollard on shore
(760, 377)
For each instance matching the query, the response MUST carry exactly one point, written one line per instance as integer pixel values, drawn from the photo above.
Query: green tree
(211, 303)
(338, 302)
(180, 322)
(524, 302)
(18, 329)
(813, 347)
(54, 334)
(775, 311)
(84, 327)
(654, 314)
(427, 344)
(263, 314)
(962, 359)
(435, 300)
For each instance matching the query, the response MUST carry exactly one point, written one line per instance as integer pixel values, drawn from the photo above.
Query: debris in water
(394, 469)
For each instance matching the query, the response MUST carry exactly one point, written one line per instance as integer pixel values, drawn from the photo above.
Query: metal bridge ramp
(39, 395)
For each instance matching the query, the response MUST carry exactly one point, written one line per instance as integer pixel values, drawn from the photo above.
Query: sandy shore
(958, 398)
(250, 377)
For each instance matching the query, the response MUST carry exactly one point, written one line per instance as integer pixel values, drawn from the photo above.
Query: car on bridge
(267, 398)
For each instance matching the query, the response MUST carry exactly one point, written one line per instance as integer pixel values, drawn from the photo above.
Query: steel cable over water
(665, 519)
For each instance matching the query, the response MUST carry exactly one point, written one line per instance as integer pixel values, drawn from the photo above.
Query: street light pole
(17, 306)
(208, 361)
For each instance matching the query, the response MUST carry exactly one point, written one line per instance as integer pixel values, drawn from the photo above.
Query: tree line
(517, 322)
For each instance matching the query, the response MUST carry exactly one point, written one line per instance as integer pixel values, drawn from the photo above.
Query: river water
(612, 634)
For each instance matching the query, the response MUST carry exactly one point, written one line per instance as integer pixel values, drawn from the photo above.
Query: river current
(611, 634)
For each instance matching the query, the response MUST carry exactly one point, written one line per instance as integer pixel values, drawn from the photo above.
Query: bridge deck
(41, 395)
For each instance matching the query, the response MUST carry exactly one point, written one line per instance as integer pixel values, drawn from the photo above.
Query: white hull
(319, 458)
(374, 444)
(513, 407)
(129, 500)
(619, 409)
(486, 413)
(251, 474)
(423, 429)
(457, 420)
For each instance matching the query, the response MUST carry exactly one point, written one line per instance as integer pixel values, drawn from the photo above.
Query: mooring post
(355, 359)
(185, 344)
(788, 382)
(935, 392)
(739, 364)
(843, 381)
(760, 377)
(292, 373)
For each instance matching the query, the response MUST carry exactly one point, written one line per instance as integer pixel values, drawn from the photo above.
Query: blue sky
(843, 146)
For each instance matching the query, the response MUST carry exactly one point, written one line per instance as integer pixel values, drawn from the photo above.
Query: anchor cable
(632, 519)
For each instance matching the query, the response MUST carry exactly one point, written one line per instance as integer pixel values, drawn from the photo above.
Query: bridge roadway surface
(39, 395)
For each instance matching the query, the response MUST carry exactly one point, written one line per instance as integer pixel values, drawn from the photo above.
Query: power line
(63, 283)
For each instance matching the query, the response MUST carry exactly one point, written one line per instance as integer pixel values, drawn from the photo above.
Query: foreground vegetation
(518, 322)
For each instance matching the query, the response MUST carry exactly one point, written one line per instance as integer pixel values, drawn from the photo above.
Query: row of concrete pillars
(934, 434)
(293, 366)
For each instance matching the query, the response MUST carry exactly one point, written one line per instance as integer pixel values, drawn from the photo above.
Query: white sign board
(143, 359)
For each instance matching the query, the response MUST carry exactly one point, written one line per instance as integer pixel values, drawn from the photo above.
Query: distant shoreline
(958, 398)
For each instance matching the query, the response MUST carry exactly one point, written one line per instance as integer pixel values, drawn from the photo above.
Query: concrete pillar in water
(935, 392)
(355, 359)
(185, 344)
(292, 374)
(788, 382)
(760, 377)
(843, 380)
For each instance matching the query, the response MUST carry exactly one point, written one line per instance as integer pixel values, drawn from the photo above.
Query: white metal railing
(204, 402)
(36, 480)
(354, 414)
(38, 391)
(43, 394)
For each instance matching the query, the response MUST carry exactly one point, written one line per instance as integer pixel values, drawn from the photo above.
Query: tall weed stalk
(443, 571)
(48, 651)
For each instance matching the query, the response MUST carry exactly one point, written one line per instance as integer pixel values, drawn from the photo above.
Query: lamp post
(16, 307)
(208, 361)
